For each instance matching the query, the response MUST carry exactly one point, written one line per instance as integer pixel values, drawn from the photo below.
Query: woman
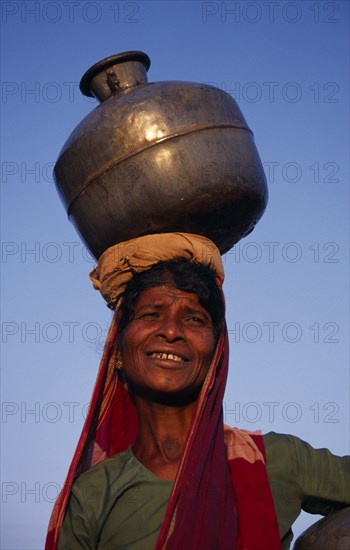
(175, 479)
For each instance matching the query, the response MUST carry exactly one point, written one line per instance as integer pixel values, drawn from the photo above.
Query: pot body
(162, 157)
(329, 533)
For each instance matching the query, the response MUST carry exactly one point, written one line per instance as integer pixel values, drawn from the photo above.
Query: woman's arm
(304, 478)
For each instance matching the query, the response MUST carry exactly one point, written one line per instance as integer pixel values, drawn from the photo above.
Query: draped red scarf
(221, 498)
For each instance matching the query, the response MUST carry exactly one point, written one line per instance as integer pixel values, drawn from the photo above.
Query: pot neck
(115, 74)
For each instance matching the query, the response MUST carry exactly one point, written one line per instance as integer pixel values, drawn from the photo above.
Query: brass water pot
(159, 157)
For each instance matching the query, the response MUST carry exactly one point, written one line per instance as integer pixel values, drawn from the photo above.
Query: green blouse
(119, 504)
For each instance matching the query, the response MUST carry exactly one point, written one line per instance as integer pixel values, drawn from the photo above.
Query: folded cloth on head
(119, 263)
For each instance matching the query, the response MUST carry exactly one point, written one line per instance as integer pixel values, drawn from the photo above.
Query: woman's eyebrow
(153, 305)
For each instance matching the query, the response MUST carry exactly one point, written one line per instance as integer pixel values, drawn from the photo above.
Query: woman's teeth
(167, 356)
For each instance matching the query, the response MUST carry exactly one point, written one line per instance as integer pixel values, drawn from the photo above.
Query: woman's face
(168, 346)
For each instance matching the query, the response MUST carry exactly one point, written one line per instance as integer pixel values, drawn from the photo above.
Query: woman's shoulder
(106, 471)
(291, 444)
(273, 440)
(289, 455)
(283, 449)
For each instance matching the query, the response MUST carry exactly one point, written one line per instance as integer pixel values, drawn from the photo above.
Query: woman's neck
(161, 437)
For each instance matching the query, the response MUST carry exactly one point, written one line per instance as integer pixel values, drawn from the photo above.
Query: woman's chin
(165, 394)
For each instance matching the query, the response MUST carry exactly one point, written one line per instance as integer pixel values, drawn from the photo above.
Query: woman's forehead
(166, 293)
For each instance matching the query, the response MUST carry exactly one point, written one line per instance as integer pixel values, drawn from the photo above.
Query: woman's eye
(197, 320)
(148, 315)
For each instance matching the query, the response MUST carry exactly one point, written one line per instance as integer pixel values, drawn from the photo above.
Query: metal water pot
(159, 157)
(329, 533)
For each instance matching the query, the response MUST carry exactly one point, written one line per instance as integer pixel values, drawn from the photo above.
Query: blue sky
(286, 64)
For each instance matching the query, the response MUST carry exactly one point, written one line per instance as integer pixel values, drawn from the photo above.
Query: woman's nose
(172, 328)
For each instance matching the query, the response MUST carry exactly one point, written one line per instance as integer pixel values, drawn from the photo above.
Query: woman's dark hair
(185, 276)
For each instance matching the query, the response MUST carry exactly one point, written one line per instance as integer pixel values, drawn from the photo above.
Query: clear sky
(286, 286)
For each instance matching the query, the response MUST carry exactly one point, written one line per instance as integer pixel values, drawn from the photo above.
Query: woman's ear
(118, 355)
(118, 362)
